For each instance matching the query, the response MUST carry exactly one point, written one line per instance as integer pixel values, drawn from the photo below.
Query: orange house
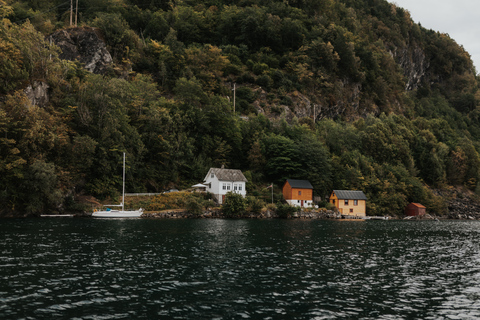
(349, 203)
(298, 193)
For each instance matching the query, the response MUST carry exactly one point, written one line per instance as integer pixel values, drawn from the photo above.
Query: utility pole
(76, 14)
(272, 192)
(71, 12)
(234, 97)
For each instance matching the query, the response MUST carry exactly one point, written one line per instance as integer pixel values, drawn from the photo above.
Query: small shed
(415, 209)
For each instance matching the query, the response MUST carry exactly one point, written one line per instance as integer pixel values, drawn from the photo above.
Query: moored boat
(119, 213)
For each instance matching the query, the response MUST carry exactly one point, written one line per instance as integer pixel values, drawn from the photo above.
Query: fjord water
(238, 269)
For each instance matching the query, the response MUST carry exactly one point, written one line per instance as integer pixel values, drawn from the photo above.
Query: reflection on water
(232, 269)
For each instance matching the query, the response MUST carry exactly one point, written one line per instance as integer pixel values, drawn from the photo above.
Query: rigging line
(41, 12)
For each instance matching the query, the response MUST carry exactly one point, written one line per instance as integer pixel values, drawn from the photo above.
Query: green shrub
(276, 109)
(73, 206)
(271, 97)
(246, 78)
(234, 205)
(233, 69)
(255, 205)
(209, 204)
(194, 206)
(330, 206)
(265, 81)
(173, 200)
(245, 93)
(286, 100)
(285, 211)
(272, 207)
(323, 204)
(259, 68)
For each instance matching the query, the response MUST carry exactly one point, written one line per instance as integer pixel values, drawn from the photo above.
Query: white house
(220, 181)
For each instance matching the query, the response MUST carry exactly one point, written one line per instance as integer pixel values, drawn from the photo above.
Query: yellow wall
(351, 210)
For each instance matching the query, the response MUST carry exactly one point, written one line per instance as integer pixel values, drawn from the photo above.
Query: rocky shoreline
(218, 214)
(458, 209)
(463, 209)
(326, 215)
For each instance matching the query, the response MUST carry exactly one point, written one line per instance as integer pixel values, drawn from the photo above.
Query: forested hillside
(349, 94)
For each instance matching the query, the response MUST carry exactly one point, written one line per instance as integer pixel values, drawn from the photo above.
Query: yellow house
(349, 203)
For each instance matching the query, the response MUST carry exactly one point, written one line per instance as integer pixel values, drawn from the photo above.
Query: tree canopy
(346, 94)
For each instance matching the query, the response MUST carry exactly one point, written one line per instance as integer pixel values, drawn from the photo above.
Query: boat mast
(123, 190)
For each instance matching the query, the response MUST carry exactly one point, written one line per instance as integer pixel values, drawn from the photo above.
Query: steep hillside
(349, 94)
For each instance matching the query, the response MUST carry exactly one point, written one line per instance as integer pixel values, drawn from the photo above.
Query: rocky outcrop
(413, 61)
(37, 93)
(463, 208)
(346, 96)
(84, 45)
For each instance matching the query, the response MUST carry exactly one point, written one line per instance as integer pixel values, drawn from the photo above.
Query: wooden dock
(56, 215)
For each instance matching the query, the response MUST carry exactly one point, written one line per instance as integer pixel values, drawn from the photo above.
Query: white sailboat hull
(118, 214)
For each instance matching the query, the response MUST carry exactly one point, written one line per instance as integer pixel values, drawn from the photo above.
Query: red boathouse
(415, 209)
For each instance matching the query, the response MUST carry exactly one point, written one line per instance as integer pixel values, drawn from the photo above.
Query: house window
(213, 175)
(224, 186)
(355, 202)
(240, 187)
(346, 202)
(298, 201)
(299, 193)
(351, 210)
(228, 187)
(235, 187)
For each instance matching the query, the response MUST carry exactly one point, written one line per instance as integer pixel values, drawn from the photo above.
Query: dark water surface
(68, 268)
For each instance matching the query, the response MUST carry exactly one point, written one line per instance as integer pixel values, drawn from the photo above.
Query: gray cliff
(85, 45)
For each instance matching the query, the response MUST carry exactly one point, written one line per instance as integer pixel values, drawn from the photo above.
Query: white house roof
(226, 174)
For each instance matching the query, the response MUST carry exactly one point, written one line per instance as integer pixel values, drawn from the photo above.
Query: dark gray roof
(301, 184)
(227, 174)
(350, 195)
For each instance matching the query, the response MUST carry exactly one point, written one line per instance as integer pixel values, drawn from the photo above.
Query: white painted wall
(298, 203)
(218, 190)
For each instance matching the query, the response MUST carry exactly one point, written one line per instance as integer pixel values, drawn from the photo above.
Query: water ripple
(238, 269)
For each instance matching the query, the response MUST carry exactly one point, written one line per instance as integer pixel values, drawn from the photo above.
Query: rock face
(84, 45)
(346, 98)
(38, 93)
(464, 208)
(414, 64)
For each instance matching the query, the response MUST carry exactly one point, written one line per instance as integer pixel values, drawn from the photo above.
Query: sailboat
(119, 213)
